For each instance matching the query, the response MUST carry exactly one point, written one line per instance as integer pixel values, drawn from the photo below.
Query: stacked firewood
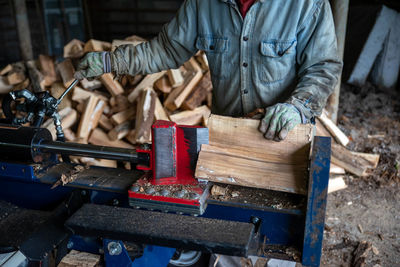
(111, 112)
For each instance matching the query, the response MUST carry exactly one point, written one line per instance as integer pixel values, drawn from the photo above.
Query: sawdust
(70, 176)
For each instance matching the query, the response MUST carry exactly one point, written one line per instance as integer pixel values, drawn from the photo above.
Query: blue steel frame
(300, 229)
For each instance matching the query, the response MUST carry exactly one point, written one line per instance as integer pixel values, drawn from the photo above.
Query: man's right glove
(93, 65)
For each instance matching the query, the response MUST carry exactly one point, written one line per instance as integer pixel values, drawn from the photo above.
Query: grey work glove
(93, 65)
(279, 119)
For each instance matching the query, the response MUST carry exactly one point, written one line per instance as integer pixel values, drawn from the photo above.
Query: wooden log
(69, 135)
(78, 259)
(163, 85)
(135, 38)
(91, 85)
(336, 184)
(96, 46)
(120, 131)
(112, 86)
(159, 111)
(56, 90)
(15, 77)
(5, 88)
(123, 116)
(371, 160)
(74, 49)
(191, 117)
(217, 190)
(68, 118)
(202, 59)
(90, 117)
(119, 103)
(342, 157)
(209, 99)
(66, 70)
(36, 77)
(175, 77)
(6, 70)
(148, 81)
(339, 136)
(98, 162)
(23, 85)
(105, 123)
(239, 154)
(131, 137)
(100, 138)
(48, 69)
(199, 93)
(334, 169)
(176, 98)
(145, 116)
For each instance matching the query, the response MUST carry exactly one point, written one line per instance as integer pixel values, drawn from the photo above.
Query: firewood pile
(109, 111)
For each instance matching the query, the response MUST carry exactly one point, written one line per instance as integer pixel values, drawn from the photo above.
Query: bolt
(114, 248)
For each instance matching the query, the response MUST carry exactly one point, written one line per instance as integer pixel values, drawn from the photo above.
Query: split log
(371, 160)
(334, 169)
(163, 85)
(69, 135)
(23, 85)
(15, 77)
(90, 85)
(56, 90)
(217, 190)
(202, 59)
(48, 69)
(113, 86)
(339, 136)
(177, 96)
(175, 77)
(105, 123)
(336, 184)
(148, 81)
(98, 162)
(66, 70)
(90, 117)
(5, 88)
(131, 137)
(191, 117)
(159, 111)
(96, 46)
(76, 258)
(342, 157)
(74, 49)
(209, 99)
(120, 131)
(199, 93)
(123, 116)
(145, 116)
(36, 77)
(239, 154)
(119, 103)
(6, 70)
(68, 118)
(100, 138)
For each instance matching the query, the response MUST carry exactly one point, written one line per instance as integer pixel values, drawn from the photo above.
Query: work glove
(279, 120)
(93, 65)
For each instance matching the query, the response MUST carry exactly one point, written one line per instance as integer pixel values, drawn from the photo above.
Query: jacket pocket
(277, 59)
(216, 49)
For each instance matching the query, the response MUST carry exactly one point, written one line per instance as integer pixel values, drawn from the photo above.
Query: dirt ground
(366, 215)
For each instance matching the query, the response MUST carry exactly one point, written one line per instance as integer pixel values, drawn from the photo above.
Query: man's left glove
(279, 120)
(93, 65)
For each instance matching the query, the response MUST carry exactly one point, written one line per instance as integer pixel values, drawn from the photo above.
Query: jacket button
(245, 38)
(245, 65)
(212, 47)
(245, 91)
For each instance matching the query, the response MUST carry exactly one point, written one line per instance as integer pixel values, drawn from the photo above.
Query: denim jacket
(282, 51)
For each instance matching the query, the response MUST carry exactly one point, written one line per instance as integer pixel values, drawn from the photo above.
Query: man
(273, 54)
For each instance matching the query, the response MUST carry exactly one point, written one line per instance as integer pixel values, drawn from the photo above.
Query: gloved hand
(93, 65)
(279, 119)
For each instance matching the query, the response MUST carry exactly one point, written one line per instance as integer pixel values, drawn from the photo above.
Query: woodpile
(342, 159)
(111, 112)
